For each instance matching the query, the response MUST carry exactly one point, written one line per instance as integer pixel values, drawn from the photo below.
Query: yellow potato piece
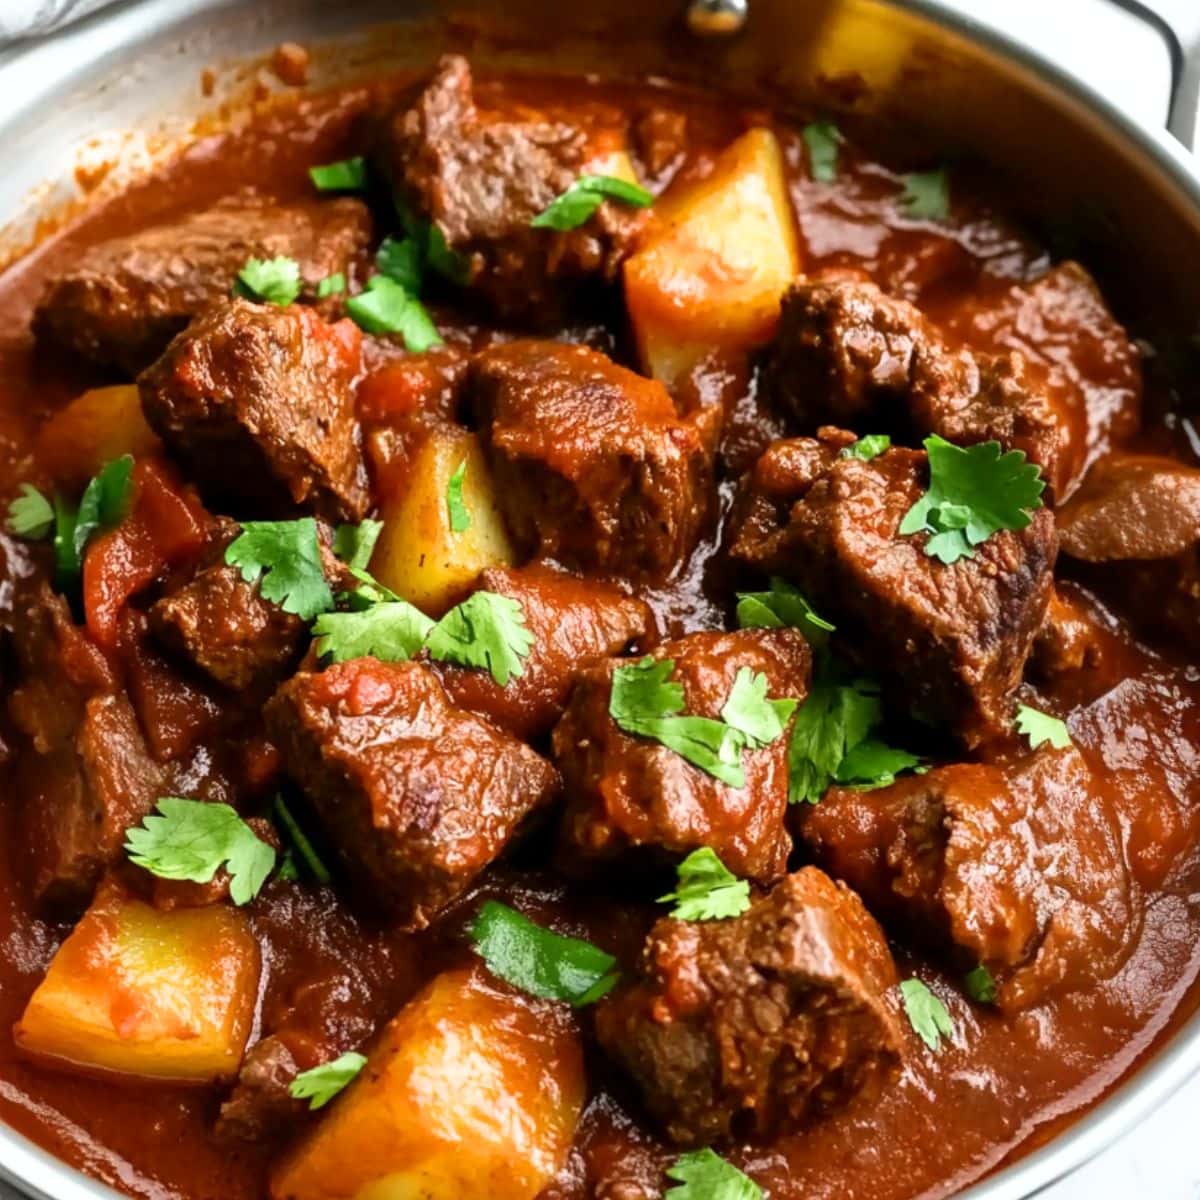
(96, 427)
(470, 1091)
(418, 555)
(156, 995)
(711, 271)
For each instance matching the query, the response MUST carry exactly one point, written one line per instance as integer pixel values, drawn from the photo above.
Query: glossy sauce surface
(953, 1116)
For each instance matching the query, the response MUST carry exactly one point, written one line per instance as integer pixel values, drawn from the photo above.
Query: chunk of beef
(592, 464)
(949, 641)
(417, 795)
(753, 1026)
(1019, 866)
(1069, 640)
(849, 354)
(1061, 324)
(123, 300)
(481, 177)
(631, 798)
(573, 622)
(257, 402)
(261, 1107)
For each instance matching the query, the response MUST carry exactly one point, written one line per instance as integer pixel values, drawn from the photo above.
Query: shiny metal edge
(32, 73)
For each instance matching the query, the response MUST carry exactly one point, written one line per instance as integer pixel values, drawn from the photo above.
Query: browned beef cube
(847, 353)
(631, 798)
(123, 300)
(574, 622)
(481, 177)
(257, 402)
(950, 641)
(755, 1025)
(418, 796)
(593, 465)
(261, 1107)
(1019, 866)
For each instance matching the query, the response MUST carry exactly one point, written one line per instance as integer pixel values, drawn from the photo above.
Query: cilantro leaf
(576, 205)
(782, 606)
(354, 544)
(926, 1013)
(874, 764)
(974, 492)
(319, 1085)
(66, 560)
(539, 961)
(30, 515)
(390, 630)
(927, 195)
(869, 447)
(821, 139)
(349, 175)
(833, 719)
(460, 515)
(331, 285)
(387, 307)
(1040, 728)
(104, 501)
(369, 591)
(434, 250)
(288, 871)
(704, 1175)
(193, 839)
(401, 259)
(980, 985)
(485, 630)
(759, 720)
(286, 556)
(269, 281)
(706, 889)
(301, 844)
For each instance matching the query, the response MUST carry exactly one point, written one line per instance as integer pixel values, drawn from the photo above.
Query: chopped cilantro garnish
(974, 492)
(874, 764)
(30, 515)
(706, 889)
(269, 281)
(331, 285)
(387, 307)
(286, 557)
(390, 630)
(980, 985)
(1040, 728)
(821, 139)
(66, 562)
(354, 544)
(193, 839)
(456, 509)
(435, 253)
(704, 1175)
(485, 630)
(104, 501)
(835, 717)
(539, 961)
(926, 1013)
(782, 606)
(300, 843)
(401, 259)
(319, 1085)
(349, 175)
(759, 720)
(927, 195)
(577, 204)
(869, 447)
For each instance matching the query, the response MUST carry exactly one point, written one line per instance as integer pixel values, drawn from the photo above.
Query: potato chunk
(469, 1091)
(711, 271)
(134, 991)
(96, 427)
(419, 555)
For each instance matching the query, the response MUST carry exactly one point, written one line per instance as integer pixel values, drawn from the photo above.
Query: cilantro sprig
(30, 515)
(192, 839)
(926, 195)
(981, 985)
(974, 492)
(269, 281)
(869, 447)
(319, 1085)
(705, 1175)
(539, 961)
(821, 139)
(331, 285)
(301, 844)
(1041, 728)
(575, 206)
(456, 509)
(354, 544)
(706, 890)
(348, 175)
(284, 558)
(782, 606)
(390, 630)
(401, 259)
(388, 307)
(926, 1013)
(486, 630)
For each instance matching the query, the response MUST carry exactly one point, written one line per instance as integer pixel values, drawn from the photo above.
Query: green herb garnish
(869, 447)
(1040, 728)
(303, 847)
(349, 175)
(980, 985)
(269, 281)
(577, 204)
(822, 140)
(485, 630)
(704, 1175)
(320, 1084)
(926, 1013)
(387, 307)
(456, 509)
(706, 889)
(927, 195)
(286, 557)
(30, 515)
